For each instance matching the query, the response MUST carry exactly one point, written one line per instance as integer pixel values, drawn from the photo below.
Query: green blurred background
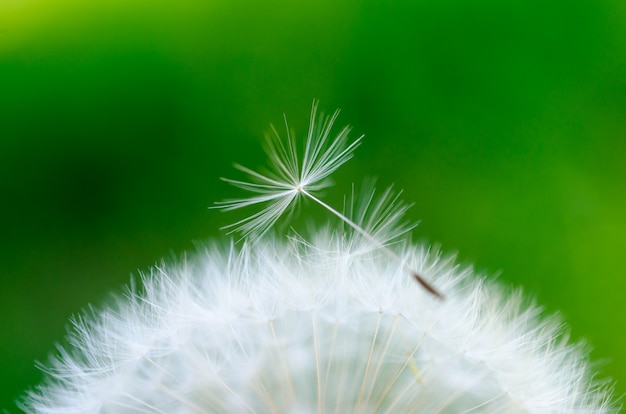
(503, 121)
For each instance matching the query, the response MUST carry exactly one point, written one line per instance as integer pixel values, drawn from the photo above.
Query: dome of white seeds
(315, 328)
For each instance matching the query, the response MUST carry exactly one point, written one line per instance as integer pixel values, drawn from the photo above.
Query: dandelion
(323, 324)
(292, 327)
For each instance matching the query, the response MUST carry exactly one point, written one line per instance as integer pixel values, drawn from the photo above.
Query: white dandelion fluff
(326, 324)
(289, 178)
(286, 327)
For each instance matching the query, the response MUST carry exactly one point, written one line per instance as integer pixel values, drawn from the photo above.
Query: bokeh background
(504, 121)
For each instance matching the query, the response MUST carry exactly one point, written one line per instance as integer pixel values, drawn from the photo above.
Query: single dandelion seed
(289, 178)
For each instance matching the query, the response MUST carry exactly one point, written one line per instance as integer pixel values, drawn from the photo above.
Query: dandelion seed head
(332, 322)
(282, 326)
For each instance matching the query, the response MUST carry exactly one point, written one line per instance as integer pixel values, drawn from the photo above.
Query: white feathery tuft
(288, 178)
(326, 324)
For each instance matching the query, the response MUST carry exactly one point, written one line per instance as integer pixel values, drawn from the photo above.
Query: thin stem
(317, 365)
(369, 361)
(419, 278)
